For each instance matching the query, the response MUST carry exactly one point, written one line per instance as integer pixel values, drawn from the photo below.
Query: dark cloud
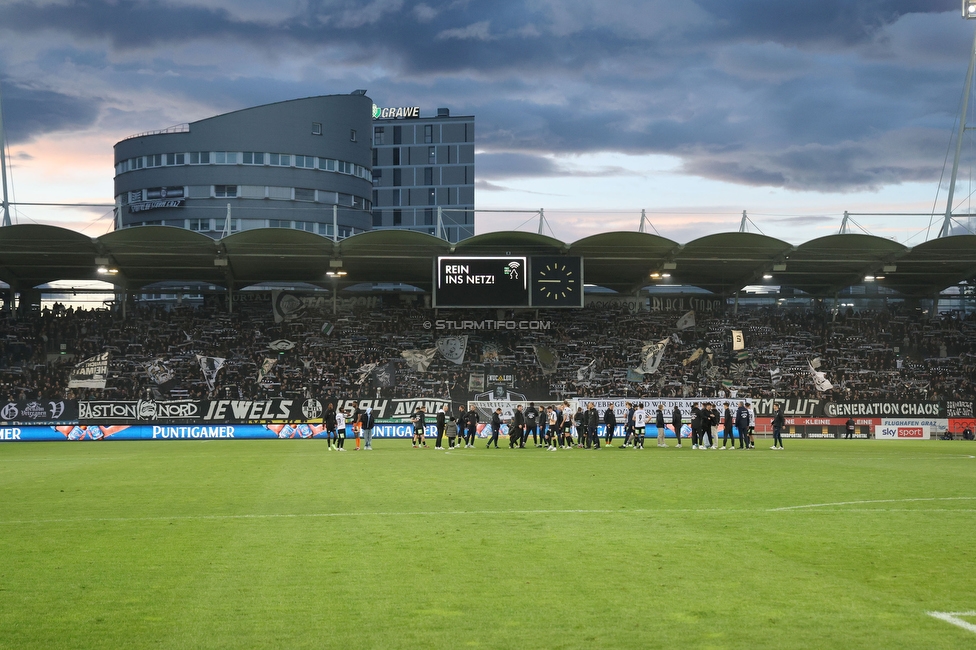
(822, 22)
(28, 112)
(830, 95)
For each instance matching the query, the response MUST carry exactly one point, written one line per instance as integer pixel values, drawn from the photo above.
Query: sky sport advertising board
(481, 282)
(902, 430)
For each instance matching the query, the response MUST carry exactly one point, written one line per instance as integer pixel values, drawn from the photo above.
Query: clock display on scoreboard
(481, 282)
(557, 282)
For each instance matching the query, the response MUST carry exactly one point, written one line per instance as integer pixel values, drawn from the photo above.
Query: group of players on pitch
(559, 427)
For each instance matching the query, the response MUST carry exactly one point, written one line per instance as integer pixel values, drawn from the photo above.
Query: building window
(397, 134)
(253, 158)
(175, 158)
(395, 199)
(428, 216)
(279, 223)
(199, 157)
(307, 162)
(377, 175)
(377, 218)
(327, 164)
(428, 133)
(316, 128)
(225, 191)
(304, 194)
(199, 225)
(378, 134)
(432, 155)
(428, 175)
(396, 155)
(352, 135)
(397, 177)
(325, 229)
(398, 217)
(308, 226)
(221, 222)
(225, 157)
(431, 196)
(358, 202)
(279, 159)
(139, 163)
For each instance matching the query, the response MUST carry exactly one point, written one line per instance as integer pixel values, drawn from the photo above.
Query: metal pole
(643, 228)
(542, 221)
(742, 224)
(4, 202)
(226, 223)
(440, 222)
(843, 224)
(335, 223)
(947, 222)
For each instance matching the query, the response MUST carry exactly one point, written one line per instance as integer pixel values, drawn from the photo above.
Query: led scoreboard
(508, 281)
(482, 282)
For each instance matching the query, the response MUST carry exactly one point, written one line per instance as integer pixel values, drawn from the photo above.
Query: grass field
(284, 544)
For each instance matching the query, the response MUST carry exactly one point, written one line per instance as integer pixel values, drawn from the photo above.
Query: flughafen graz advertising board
(508, 281)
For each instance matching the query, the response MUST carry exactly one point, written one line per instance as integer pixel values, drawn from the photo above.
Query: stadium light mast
(4, 201)
(969, 13)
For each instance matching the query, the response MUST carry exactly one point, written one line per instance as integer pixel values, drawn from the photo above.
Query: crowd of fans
(887, 355)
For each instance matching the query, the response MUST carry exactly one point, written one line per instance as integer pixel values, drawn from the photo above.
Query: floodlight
(969, 9)
(767, 276)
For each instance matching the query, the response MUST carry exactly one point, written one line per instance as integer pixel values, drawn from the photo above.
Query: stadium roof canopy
(32, 255)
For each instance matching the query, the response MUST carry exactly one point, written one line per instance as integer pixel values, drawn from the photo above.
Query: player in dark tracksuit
(515, 435)
(629, 424)
(531, 425)
(727, 432)
(496, 427)
(696, 423)
(472, 421)
(592, 420)
(742, 424)
(441, 422)
(676, 423)
(610, 421)
(778, 421)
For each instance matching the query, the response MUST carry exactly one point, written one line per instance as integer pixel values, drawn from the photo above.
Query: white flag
(365, 372)
(820, 381)
(651, 355)
(90, 373)
(587, 372)
(738, 342)
(419, 360)
(775, 376)
(453, 347)
(210, 366)
(687, 321)
(265, 369)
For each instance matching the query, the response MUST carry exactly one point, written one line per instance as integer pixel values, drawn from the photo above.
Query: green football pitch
(285, 544)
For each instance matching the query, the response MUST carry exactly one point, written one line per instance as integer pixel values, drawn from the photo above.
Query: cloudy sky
(693, 110)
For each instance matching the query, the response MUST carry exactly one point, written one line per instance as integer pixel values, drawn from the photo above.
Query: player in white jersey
(640, 421)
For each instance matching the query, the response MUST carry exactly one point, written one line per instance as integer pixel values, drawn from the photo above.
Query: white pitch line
(855, 503)
(953, 618)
